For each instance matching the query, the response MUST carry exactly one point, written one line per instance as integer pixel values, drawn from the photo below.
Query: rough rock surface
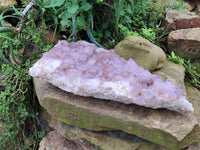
(185, 43)
(142, 51)
(189, 4)
(7, 4)
(84, 69)
(198, 7)
(194, 95)
(161, 126)
(55, 141)
(193, 5)
(109, 140)
(194, 147)
(173, 72)
(181, 19)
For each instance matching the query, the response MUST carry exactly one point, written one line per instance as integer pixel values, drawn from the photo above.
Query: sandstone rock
(150, 146)
(110, 140)
(190, 5)
(173, 72)
(194, 147)
(198, 7)
(194, 96)
(142, 51)
(86, 70)
(55, 141)
(193, 5)
(7, 4)
(185, 43)
(181, 19)
(163, 127)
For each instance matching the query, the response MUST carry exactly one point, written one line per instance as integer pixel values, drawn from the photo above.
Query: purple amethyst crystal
(86, 70)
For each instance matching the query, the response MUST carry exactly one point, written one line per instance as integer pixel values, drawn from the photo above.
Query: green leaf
(107, 34)
(104, 25)
(28, 62)
(7, 37)
(122, 13)
(86, 6)
(6, 29)
(66, 22)
(73, 9)
(54, 3)
(65, 15)
(100, 35)
(74, 2)
(80, 21)
(16, 72)
(128, 9)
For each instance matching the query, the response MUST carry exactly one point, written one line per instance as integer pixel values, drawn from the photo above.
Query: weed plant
(109, 21)
(192, 74)
(141, 18)
(18, 104)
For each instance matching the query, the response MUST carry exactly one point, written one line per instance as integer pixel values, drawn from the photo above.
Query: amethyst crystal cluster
(86, 70)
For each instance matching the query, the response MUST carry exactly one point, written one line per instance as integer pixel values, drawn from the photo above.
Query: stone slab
(194, 147)
(185, 43)
(109, 140)
(173, 72)
(55, 141)
(164, 127)
(194, 95)
(181, 19)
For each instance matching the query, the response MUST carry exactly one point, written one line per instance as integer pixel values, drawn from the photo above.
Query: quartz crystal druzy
(86, 70)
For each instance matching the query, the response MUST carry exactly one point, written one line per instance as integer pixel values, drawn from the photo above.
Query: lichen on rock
(86, 70)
